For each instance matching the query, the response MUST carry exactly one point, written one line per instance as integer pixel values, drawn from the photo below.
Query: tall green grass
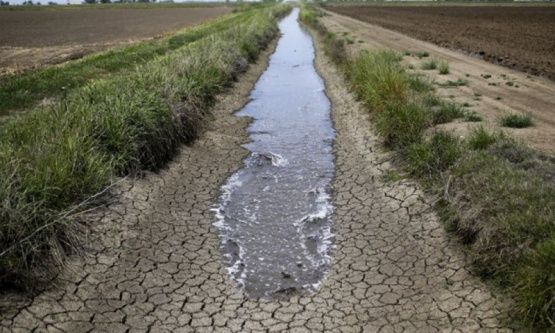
(496, 195)
(59, 155)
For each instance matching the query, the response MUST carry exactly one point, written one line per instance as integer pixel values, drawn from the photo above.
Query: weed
(446, 113)
(515, 120)
(465, 105)
(391, 176)
(480, 138)
(429, 158)
(401, 125)
(472, 117)
(421, 55)
(510, 83)
(486, 76)
(498, 98)
(429, 65)
(460, 82)
(420, 83)
(378, 78)
(444, 67)
(431, 99)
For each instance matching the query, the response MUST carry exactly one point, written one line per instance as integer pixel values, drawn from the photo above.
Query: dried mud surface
(34, 39)
(155, 263)
(518, 37)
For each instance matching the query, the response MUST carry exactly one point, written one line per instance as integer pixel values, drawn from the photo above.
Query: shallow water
(274, 213)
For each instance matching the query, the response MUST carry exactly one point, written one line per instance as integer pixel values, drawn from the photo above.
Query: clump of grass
(460, 82)
(510, 83)
(378, 78)
(516, 120)
(421, 55)
(429, 65)
(472, 117)
(480, 138)
(486, 76)
(401, 125)
(420, 83)
(444, 67)
(498, 98)
(431, 99)
(447, 112)
(430, 158)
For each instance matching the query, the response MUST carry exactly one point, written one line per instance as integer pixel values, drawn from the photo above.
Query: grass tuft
(480, 138)
(429, 65)
(429, 158)
(444, 67)
(515, 120)
(447, 112)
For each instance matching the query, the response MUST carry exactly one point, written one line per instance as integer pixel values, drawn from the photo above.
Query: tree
(4, 3)
(90, 1)
(105, 1)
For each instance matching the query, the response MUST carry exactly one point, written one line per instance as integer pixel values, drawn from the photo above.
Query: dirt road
(155, 263)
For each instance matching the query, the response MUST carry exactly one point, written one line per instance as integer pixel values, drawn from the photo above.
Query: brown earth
(519, 37)
(32, 39)
(491, 97)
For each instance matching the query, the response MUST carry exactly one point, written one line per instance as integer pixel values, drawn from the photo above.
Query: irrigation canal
(274, 214)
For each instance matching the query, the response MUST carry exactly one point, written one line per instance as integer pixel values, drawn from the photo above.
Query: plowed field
(519, 37)
(37, 38)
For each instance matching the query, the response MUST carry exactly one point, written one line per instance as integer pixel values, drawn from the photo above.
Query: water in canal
(274, 213)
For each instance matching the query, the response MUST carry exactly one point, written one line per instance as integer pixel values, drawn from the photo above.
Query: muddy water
(274, 213)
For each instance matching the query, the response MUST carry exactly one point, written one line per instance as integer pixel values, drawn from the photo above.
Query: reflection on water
(274, 213)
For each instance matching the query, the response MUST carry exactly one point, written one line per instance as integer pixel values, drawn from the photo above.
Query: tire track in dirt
(155, 263)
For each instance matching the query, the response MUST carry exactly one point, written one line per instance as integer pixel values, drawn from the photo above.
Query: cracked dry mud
(155, 263)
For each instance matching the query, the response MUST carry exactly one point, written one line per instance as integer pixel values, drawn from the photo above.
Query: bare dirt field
(519, 37)
(490, 90)
(31, 39)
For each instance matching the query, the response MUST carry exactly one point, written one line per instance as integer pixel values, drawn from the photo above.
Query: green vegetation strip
(495, 194)
(54, 158)
(26, 90)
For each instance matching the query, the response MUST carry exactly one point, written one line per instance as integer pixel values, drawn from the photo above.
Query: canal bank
(155, 262)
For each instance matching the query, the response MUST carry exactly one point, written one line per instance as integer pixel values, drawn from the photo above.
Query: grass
(495, 194)
(429, 65)
(60, 155)
(516, 120)
(472, 117)
(447, 112)
(480, 138)
(460, 82)
(444, 67)
(26, 90)
(421, 55)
